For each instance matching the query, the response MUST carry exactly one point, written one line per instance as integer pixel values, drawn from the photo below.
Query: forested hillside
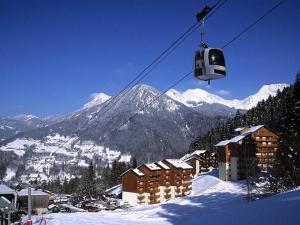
(280, 113)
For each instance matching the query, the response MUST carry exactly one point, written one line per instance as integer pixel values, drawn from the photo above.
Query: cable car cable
(171, 48)
(166, 52)
(254, 23)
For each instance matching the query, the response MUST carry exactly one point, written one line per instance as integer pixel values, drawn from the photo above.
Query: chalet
(133, 186)
(230, 152)
(39, 200)
(201, 161)
(180, 177)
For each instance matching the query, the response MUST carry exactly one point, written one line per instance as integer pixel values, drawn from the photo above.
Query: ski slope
(212, 202)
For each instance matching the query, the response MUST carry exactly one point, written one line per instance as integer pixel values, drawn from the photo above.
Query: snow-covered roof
(152, 166)
(136, 171)
(5, 189)
(189, 155)
(24, 192)
(239, 137)
(115, 190)
(164, 166)
(239, 129)
(223, 143)
(178, 163)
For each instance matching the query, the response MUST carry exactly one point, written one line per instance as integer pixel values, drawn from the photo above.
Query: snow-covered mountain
(97, 99)
(10, 126)
(198, 97)
(161, 128)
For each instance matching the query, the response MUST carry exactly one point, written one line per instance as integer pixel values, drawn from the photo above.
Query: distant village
(157, 182)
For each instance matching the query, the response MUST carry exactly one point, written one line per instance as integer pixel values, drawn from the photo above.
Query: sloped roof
(178, 163)
(223, 143)
(136, 171)
(239, 137)
(24, 192)
(4, 189)
(164, 166)
(239, 129)
(189, 155)
(152, 166)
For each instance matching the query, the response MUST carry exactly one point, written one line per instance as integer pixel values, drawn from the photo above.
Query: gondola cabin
(209, 64)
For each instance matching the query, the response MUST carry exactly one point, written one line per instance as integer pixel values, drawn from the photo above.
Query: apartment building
(201, 161)
(157, 182)
(229, 151)
(180, 176)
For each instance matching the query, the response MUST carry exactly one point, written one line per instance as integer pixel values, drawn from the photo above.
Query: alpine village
(144, 156)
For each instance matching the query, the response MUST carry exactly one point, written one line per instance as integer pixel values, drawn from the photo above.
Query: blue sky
(55, 54)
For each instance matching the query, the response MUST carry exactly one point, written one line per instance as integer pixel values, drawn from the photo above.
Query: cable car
(209, 64)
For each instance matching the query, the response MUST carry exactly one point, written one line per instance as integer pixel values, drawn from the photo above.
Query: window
(269, 143)
(257, 138)
(264, 138)
(264, 143)
(216, 57)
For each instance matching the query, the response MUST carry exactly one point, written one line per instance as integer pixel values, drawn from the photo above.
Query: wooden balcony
(178, 183)
(154, 190)
(154, 197)
(168, 189)
(188, 188)
(187, 178)
(154, 201)
(186, 184)
(177, 190)
(168, 183)
(141, 197)
(167, 196)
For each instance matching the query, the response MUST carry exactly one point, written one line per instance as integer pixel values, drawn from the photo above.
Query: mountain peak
(26, 117)
(97, 99)
(195, 97)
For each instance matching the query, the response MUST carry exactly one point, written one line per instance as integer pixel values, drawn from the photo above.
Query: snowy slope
(213, 202)
(196, 97)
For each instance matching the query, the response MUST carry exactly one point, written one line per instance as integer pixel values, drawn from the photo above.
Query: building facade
(201, 161)
(258, 143)
(157, 182)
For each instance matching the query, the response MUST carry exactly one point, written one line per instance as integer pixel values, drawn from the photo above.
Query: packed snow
(196, 97)
(212, 202)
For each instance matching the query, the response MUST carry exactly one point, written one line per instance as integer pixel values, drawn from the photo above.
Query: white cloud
(223, 92)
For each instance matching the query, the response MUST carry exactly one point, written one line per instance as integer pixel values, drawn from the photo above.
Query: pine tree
(88, 182)
(133, 163)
